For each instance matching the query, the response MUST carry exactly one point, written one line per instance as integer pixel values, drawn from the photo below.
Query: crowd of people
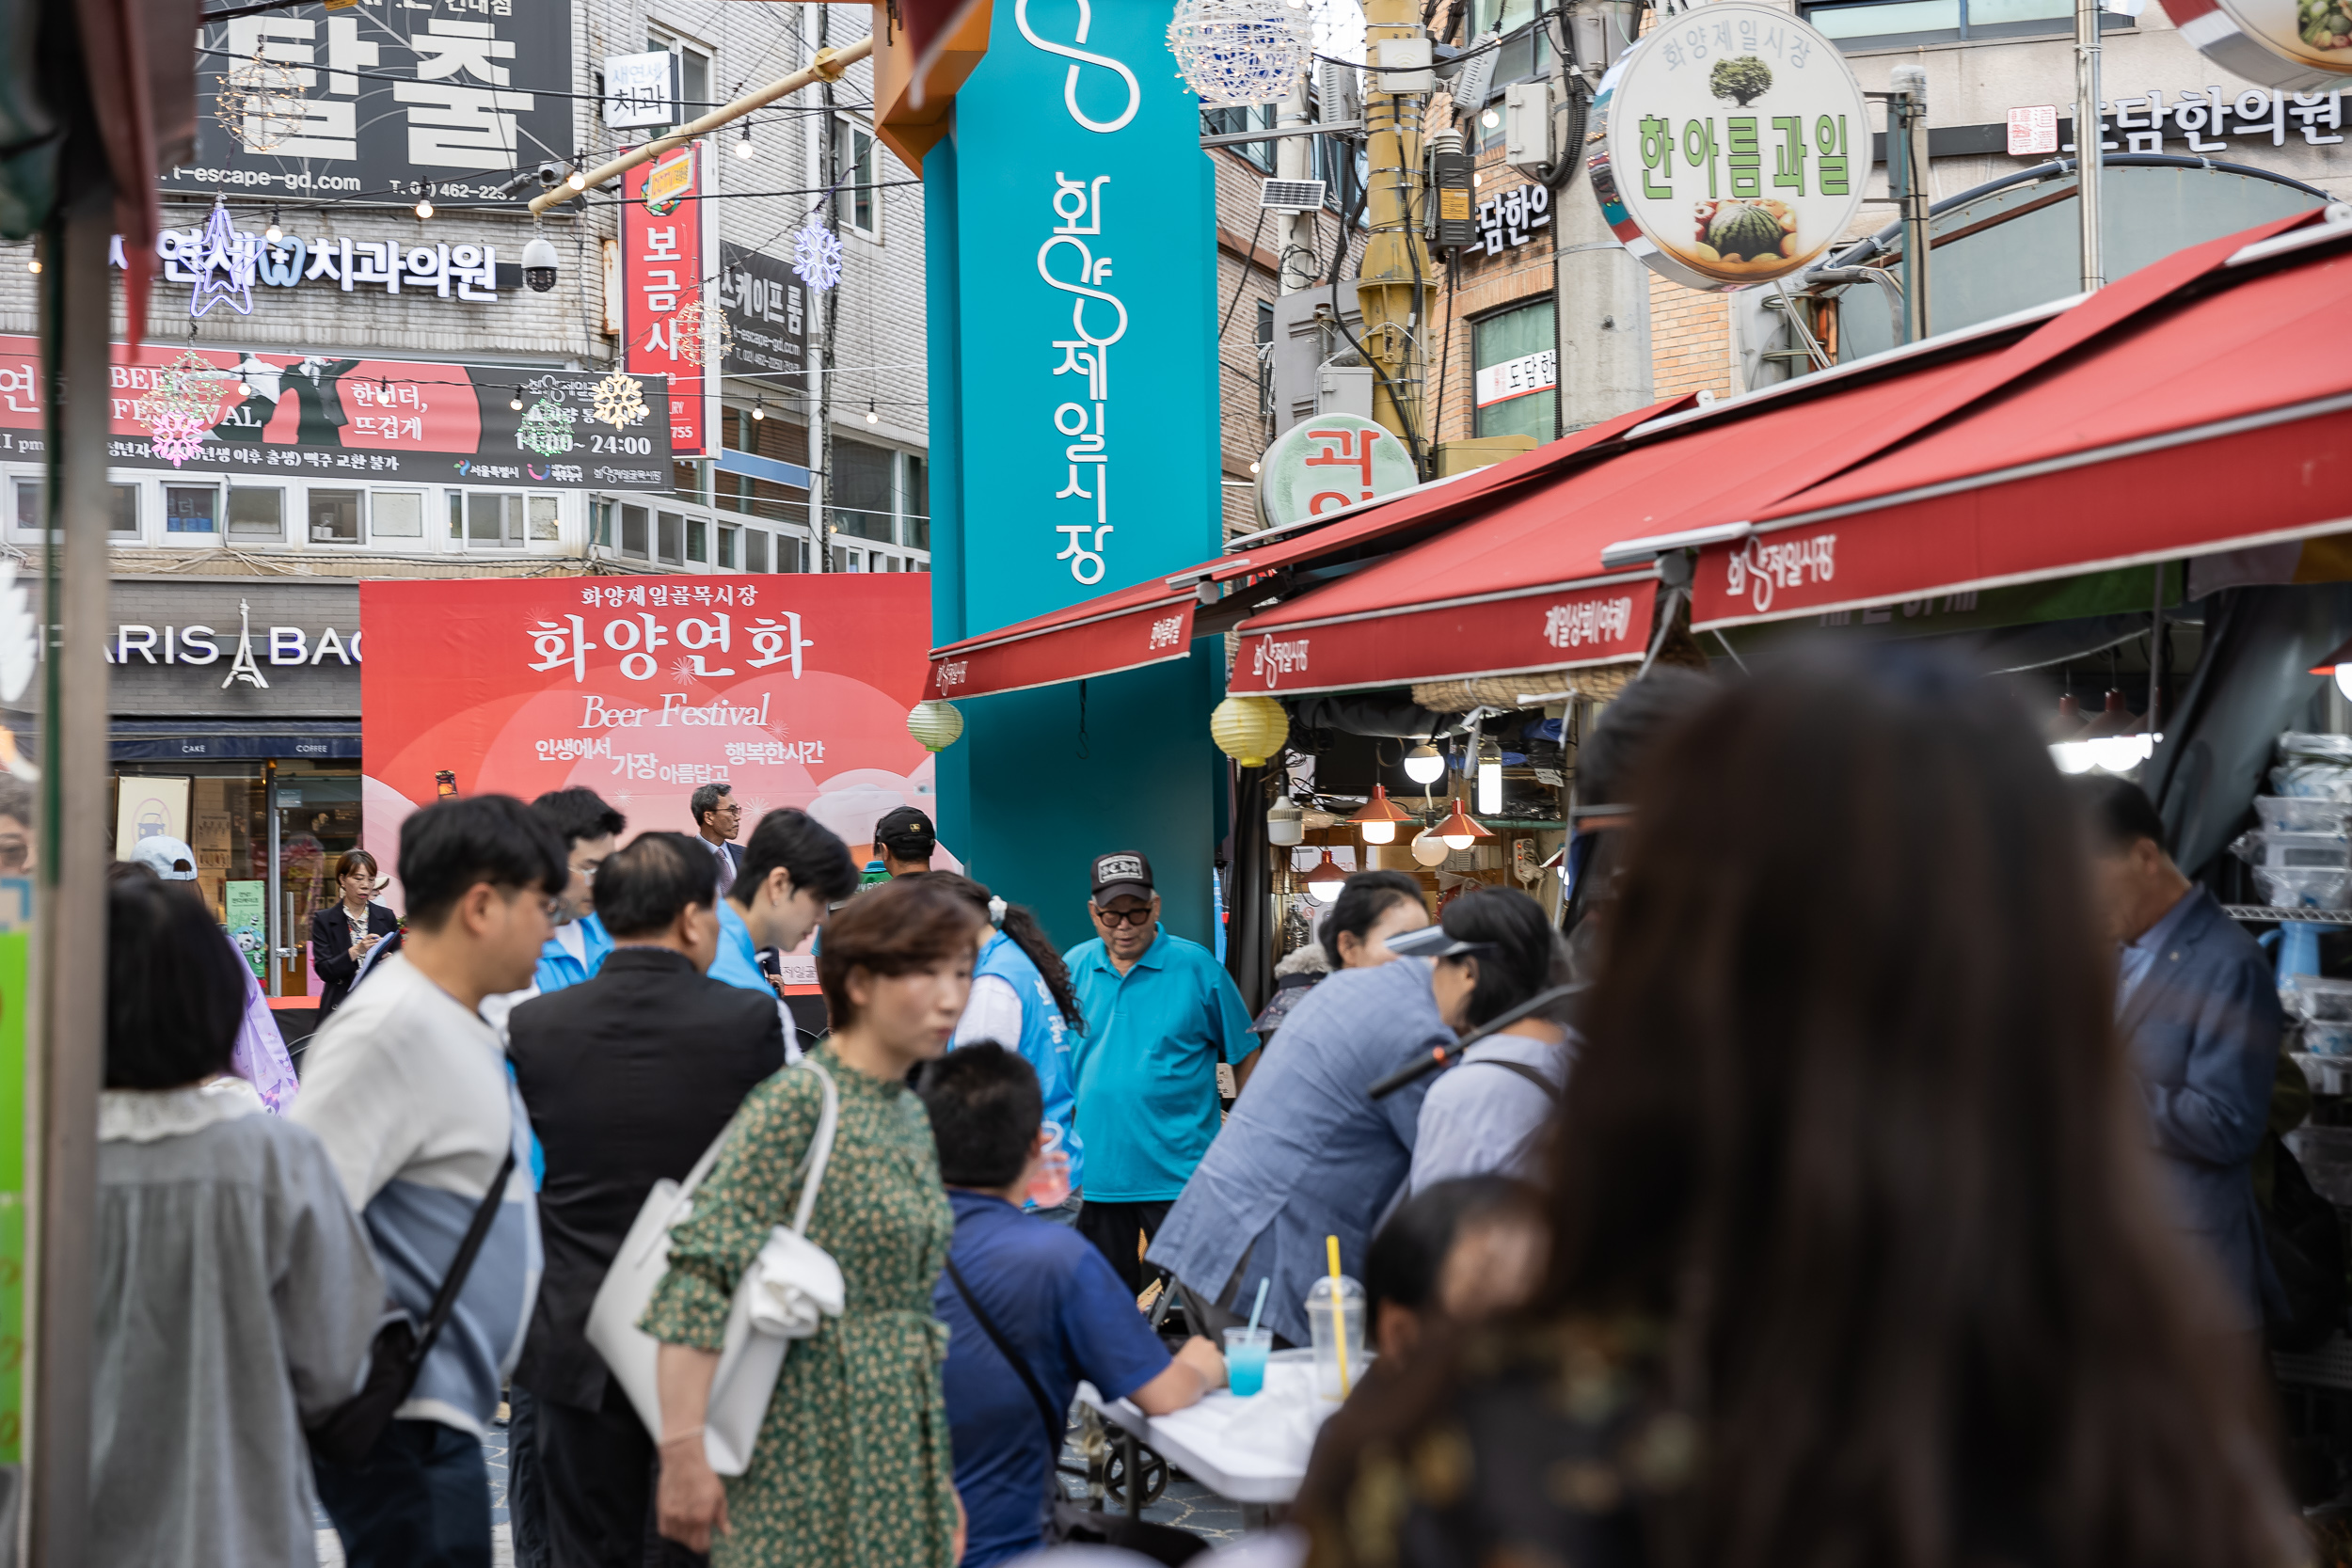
(1865, 1177)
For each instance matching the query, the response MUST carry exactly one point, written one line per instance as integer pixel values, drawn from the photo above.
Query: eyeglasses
(588, 872)
(1129, 917)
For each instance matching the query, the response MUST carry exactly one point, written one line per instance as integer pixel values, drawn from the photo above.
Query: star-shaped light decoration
(224, 265)
(817, 254)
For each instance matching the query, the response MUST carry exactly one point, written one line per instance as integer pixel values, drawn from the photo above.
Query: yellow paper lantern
(935, 723)
(1249, 729)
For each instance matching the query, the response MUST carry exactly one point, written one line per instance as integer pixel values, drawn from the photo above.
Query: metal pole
(1298, 260)
(1396, 262)
(827, 65)
(2087, 155)
(69, 1038)
(1910, 108)
(829, 308)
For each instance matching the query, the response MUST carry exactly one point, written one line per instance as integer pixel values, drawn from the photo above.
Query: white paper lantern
(935, 723)
(1237, 52)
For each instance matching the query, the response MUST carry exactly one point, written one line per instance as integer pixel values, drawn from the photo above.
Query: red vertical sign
(663, 260)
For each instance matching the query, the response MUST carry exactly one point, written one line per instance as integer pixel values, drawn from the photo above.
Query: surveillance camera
(550, 173)
(539, 264)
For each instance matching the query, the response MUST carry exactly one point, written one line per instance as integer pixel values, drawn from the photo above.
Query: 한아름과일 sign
(1738, 144)
(2302, 46)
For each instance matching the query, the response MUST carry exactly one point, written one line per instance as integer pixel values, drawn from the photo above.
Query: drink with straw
(1335, 1317)
(1245, 1351)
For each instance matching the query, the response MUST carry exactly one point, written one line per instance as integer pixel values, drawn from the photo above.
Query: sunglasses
(1131, 917)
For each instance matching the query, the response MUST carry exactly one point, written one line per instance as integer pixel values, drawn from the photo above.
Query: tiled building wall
(1690, 333)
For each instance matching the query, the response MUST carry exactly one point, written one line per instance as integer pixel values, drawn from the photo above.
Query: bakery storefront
(237, 728)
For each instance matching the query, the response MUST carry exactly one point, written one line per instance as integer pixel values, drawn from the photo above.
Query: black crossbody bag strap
(1551, 1090)
(1004, 1348)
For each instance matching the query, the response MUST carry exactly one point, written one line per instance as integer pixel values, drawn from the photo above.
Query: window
(1232, 122)
(846, 559)
(335, 517)
(669, 527)
(858, 207)
(863, 502)
(918, 505)
(698, 540)
(187, 509)
(1882, 23)
(123, 522)
(686, 480)
(1487, 16)
(257, 513)
(490, 519)
(694, 98)
(727, 544)
(633, 531)
(399, 514)
(755, 551)
(1516, 380)
(32, 505)
(544, 523)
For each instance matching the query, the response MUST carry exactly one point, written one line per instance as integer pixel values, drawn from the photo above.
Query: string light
(33, 266)
(577, 181)
(744, 148)
(873, 415)
(516, 402)
(425, 202)
(274, 232)
(760, 408)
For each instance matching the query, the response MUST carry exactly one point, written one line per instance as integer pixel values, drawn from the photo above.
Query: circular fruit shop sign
(1737, 145)
(2290, 45)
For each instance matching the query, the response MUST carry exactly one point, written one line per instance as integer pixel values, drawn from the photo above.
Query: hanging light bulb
(425, 202)
(1326, 880)
(1428, 848)
(578, 179)
(1378, 819)
(760, 408)
(873, 415)
(1460, 830)
(1253, 468)
(33, 265)
(1490, 779)
(273, 233)
(744, 148)
(516, 402)
(243, 390)
(1425, 764)
(1285, 824)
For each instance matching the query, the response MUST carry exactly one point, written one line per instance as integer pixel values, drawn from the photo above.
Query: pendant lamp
(1285, 824)
(1326, 880)
(1460, 830)
(1378, 819)
(1425, 764)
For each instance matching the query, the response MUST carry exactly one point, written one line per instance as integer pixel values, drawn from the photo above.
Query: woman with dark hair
(1021, 999)
(1373, 907)
(1857, 1251)
(852, 1467)
(341, 933)
(234, 1291)
(1494, 949)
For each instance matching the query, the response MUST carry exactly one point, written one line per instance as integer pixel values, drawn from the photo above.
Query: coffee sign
(1738, 144)
(2303, 46)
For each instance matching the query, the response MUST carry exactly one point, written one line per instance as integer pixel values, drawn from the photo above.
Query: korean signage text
(661, 273)
(767, 308)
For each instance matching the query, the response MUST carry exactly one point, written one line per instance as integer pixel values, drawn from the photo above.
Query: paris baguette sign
(2289, 45)
(1736, 146)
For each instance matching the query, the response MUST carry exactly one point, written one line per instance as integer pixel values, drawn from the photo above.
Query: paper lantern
(1249, 729)
(935, 723)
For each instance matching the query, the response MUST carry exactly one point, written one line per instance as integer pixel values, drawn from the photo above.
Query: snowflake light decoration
(261, 102)
(620, 400)
(817, 254)
(688, 327)
(180, 410)
(1235, 51)
(547, 429)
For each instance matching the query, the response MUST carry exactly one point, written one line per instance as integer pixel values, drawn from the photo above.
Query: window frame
(855, 143)
(187, 538)
(375, 519)
(1492, 318)
(687, 50)
(1992, 32)
(362, 534)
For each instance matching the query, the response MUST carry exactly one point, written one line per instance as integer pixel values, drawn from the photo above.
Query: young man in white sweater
(407, 1088)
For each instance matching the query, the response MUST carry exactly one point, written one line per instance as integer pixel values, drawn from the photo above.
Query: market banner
(382, 98)
(793, 688)
(1552, 629)
(384, 419)
(1077, 649)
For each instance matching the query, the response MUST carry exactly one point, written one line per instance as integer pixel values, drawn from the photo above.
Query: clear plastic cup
(1246, 1350)
(1335, 1325)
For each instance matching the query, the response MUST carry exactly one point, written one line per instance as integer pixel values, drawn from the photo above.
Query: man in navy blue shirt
(1046, 1292)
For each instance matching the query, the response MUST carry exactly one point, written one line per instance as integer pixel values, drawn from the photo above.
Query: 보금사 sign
(2302, 46)
(356, 416)
(1738, 144)
(1328, 462)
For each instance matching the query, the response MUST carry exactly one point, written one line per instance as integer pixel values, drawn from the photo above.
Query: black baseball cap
(1122, 874)
(907, 833)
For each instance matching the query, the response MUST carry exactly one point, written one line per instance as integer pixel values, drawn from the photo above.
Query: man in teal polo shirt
(794, 870)
(1160, 1013)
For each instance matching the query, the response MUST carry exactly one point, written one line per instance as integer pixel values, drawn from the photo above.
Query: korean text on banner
(664, 260)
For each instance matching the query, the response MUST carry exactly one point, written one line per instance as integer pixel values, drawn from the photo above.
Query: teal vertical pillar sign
(1071, 233)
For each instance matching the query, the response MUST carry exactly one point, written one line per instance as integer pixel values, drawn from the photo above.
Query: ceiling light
(1326, 880)
(1285, 824)
(1378, 819)
(1429, 849)
(1425, 764)
(1459, 829)
(1490, 779)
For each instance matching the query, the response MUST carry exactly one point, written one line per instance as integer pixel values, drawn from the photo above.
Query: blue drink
(1245, 1351)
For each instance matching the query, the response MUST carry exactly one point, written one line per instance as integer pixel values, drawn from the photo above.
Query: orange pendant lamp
(1379, 818)
(1326, 880)
(1460, 830)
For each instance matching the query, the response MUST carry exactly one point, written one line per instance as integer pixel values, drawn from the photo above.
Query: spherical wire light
(1237, 52)
(261, 102)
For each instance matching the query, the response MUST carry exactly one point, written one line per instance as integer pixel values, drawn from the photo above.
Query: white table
(1228, 1444)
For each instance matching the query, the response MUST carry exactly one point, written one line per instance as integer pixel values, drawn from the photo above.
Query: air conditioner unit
(1291, 196)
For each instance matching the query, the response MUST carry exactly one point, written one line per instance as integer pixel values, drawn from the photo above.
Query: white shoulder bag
(791, 1286)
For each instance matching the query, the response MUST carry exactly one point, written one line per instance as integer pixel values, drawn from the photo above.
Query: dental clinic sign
(1082, 385)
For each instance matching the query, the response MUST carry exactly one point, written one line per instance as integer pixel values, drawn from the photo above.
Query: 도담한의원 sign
(1738, 144)
(352, 417)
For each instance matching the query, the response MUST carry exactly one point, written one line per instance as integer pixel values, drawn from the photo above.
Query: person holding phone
(341, 933)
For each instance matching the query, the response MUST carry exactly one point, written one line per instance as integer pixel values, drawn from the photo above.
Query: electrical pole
(828, 312)
(1907, 183)
(2086, 139)
(1293, 158)
(1601, 292)
(1391, 287)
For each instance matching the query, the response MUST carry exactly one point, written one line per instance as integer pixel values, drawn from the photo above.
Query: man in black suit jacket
(629, 1077)
(719, 818)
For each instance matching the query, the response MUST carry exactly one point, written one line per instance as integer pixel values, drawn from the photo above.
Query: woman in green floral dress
(853, 1467)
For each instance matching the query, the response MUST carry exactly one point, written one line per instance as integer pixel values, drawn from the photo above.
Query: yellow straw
(1339, 1311)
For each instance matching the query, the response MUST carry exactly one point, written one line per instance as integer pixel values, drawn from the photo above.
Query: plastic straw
(1339, 1311)
(1261, 1307)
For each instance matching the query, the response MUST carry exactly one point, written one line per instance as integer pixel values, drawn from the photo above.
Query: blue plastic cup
(1246, 1350)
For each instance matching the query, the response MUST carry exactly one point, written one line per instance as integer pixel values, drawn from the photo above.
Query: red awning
(2208, 409)
(1153, 621)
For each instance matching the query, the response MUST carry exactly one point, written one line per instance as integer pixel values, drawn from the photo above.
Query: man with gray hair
(719, 817)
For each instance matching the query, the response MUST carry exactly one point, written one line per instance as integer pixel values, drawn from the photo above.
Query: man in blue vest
(1160, 1014)
(795, 869)
(590, 830)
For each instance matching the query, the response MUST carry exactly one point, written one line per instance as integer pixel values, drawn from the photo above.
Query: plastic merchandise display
(2314, 767)
(2286, 852)
(2317, 999)
(2303, 813)
(2327, 1039)
(2303, 889)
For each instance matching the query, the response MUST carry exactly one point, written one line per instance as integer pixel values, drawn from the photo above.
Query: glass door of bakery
(313, 818)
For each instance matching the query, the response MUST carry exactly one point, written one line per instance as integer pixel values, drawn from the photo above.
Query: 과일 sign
(1736, 146)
